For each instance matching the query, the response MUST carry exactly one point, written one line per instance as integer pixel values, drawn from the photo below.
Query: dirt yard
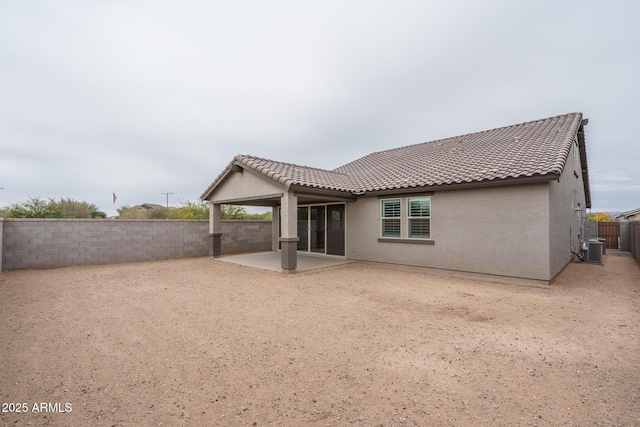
(206, 343)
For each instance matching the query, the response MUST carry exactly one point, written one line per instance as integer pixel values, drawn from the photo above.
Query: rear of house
(509, 201)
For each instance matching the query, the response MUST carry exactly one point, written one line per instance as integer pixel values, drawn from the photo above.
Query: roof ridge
(240, 158)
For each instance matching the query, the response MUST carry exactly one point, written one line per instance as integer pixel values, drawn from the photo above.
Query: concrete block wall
(48, 243)
(245, 236)
(590, 229)
(625, 236)
(634, 240)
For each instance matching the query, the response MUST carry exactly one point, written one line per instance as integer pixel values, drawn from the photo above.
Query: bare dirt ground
(207, 343)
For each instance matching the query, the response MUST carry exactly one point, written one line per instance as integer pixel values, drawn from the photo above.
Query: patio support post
(289, 233)
(215, 229)
(274, 228)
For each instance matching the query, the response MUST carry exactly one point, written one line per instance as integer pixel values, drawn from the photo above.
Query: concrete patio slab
(271, 261)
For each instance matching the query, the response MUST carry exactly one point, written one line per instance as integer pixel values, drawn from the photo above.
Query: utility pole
(167, 198)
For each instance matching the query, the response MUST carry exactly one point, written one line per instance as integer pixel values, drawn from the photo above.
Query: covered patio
(309, 220)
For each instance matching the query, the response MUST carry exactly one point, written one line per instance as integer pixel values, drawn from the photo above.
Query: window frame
(391, 218)
(404, 219)
(411, 217)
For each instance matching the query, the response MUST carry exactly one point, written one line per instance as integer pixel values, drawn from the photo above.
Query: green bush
(36, 207)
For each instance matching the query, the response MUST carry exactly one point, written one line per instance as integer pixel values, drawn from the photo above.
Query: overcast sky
(146, 97)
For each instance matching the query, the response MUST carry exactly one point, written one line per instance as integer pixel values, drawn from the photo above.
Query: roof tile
(535, 148)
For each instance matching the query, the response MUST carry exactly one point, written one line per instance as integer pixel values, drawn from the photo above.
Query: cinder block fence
(47, 243)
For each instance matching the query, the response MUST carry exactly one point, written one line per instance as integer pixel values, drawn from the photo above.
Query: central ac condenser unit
(595, 251)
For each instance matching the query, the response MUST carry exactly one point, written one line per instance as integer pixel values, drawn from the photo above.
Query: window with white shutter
(419, 217)
(391, 218)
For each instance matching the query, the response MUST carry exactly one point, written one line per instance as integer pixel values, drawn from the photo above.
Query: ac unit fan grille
(595, 252)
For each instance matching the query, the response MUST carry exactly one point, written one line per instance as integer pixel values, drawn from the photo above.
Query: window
(412, 225)
(419, 213)
(391, 218)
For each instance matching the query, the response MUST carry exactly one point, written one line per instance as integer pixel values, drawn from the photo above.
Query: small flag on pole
(114, 197)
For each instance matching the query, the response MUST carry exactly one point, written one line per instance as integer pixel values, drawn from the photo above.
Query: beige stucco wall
(245, 186)
(495, 230)
(565, 222)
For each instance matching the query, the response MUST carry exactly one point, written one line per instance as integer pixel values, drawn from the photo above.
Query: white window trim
(393, 218)
(404, 221)
(410, 217)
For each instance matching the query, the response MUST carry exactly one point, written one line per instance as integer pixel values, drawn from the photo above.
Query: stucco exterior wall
(245, 186)
(634, 217)
(567, 211)
(494, 230)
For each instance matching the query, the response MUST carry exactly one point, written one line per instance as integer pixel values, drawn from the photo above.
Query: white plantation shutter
(391, 208)
(391, 218)
(420, 207)
(420, 217)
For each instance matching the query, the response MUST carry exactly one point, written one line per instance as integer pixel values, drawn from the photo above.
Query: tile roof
(291, 174)
(529, 149)
(533, 149)
(628, 213)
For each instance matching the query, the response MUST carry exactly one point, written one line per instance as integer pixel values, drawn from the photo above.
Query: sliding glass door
(303, 229)
(317, 228)
(321, 229)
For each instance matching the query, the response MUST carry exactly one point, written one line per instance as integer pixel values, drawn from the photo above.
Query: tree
(191, 210)
(158, 213)
(265, 216)
(241, 213)
(599, 217)
(74, 209)
(35, 207)
(128, 212)
(233, 212)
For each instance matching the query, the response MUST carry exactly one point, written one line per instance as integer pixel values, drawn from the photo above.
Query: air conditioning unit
(584, 248)
(595, 251)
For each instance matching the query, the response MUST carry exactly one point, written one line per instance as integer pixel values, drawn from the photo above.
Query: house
(509, 201)
(149, 206)
(632, 215)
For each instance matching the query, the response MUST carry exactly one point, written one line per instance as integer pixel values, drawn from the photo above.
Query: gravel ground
(207, 343)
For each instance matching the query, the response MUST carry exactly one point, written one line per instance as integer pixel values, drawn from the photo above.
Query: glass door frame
(308, 238)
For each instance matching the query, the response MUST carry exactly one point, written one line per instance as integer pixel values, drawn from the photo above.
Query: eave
(466, 185)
